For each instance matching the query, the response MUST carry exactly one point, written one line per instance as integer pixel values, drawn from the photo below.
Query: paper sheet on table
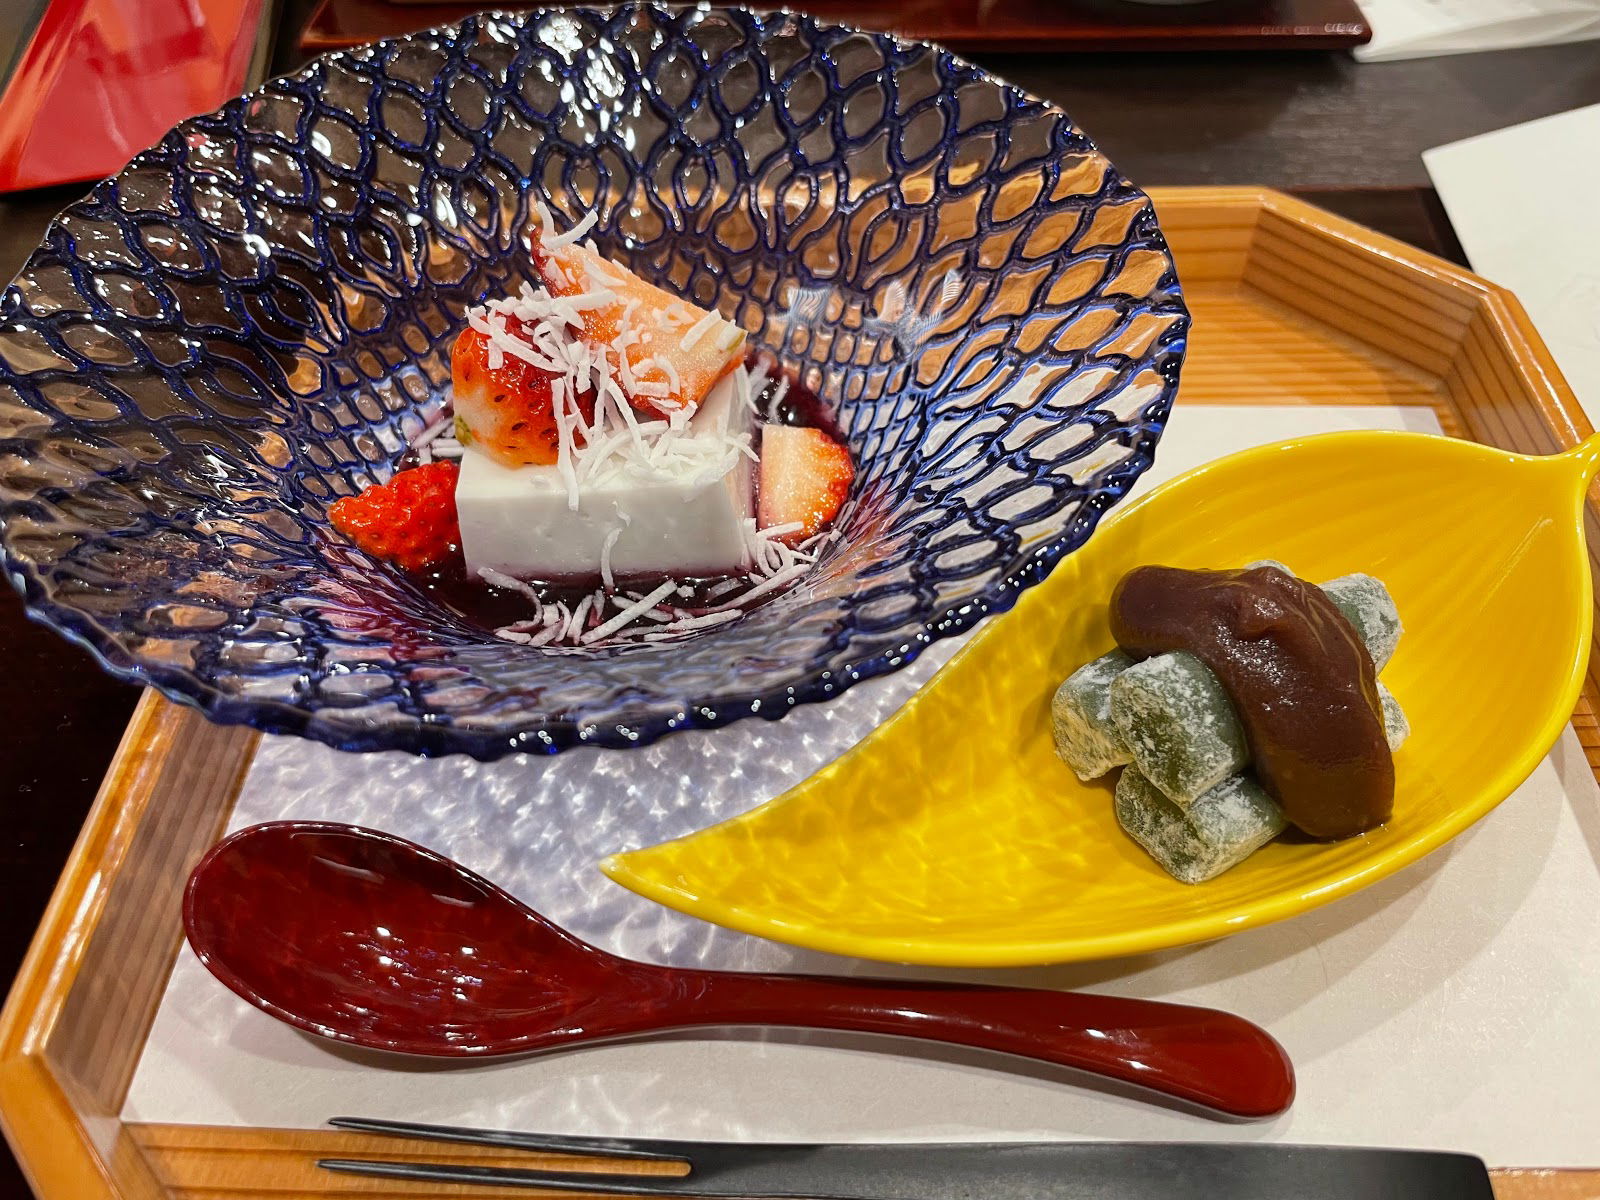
(1523, 202)
(1418, 1012)
(1417, 28)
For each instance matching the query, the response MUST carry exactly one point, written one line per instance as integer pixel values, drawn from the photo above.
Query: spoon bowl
(369, 939)
(372, 940)
(953, 835)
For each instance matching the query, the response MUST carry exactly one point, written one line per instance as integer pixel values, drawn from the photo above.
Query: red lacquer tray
(963, 24)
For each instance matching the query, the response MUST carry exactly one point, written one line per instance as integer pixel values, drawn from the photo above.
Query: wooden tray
(962, 24)
(1291, 305)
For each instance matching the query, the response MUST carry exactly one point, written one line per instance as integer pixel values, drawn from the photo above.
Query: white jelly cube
(671, 520)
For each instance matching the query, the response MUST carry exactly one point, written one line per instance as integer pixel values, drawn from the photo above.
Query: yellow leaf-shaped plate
(953, 835)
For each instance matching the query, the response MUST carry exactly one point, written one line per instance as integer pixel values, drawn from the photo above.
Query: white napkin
(1415, 28)
(1522, 201)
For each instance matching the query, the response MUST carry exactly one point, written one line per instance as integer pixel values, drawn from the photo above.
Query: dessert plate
(953, 835)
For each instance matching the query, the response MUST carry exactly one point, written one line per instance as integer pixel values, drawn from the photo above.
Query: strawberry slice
(655, 333)
(805, 477)
(506, 411)
(409, 521)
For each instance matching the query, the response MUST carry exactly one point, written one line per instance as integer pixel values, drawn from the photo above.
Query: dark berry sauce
(484, 606)
(800, 406)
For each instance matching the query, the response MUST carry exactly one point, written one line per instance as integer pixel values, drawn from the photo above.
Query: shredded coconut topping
(605, 557)
(654, 617)
(698, 330)
(575, 234)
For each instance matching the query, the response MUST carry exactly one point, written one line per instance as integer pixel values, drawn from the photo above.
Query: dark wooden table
(1344, 134)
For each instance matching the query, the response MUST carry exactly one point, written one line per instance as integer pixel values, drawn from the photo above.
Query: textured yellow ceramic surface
(953, 835)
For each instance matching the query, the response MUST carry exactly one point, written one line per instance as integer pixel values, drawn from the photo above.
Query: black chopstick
(640, 1150)
(926, 1171)
(600, 1183)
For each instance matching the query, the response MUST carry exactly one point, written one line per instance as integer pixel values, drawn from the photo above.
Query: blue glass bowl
(253, 318)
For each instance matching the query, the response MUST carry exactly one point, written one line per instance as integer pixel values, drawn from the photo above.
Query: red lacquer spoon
(370, 939)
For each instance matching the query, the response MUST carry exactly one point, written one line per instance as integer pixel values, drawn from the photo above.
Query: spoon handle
(1200, 1055)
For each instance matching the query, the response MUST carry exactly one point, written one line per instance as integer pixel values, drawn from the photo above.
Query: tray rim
(319, 35)
(53, 1143)
(69, 1151)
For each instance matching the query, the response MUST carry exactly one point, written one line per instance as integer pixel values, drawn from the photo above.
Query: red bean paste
(1299, 676)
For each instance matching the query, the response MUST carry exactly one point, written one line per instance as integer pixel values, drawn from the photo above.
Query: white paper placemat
(1453, 1006)
(1523, 202)
(1421, 28)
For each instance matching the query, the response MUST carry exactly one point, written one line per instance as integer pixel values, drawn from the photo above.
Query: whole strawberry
(409, 521)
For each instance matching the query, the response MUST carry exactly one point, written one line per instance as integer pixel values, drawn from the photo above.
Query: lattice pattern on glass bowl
(253, 318)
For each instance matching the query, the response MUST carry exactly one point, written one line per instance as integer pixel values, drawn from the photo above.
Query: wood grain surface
(75, 1022)
(1298, 121)
(73, 1027)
